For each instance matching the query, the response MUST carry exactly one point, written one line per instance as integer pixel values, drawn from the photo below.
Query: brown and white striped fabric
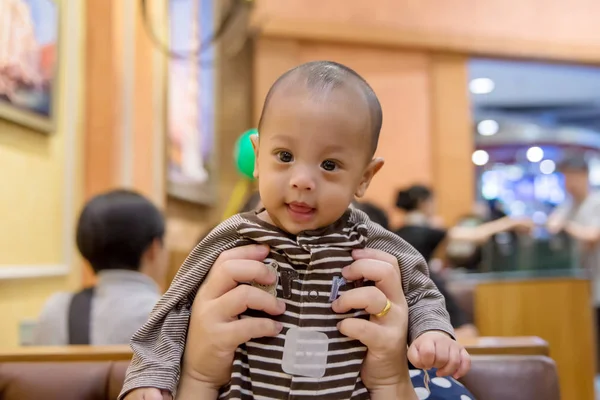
(307, 265)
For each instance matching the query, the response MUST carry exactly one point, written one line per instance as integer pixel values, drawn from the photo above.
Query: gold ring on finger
(385, 310)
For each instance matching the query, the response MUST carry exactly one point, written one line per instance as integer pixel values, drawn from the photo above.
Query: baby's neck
(264, 215)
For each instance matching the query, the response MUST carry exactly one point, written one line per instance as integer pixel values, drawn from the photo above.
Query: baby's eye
(328, 165)
(285, 156)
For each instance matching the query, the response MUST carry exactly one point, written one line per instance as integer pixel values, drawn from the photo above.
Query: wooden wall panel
(452, 138)
(103, 78)
(533, 28)
(143, 113)
(272, 57)
(556, 310)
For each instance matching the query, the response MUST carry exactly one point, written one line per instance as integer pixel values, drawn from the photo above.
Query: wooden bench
(478, 346)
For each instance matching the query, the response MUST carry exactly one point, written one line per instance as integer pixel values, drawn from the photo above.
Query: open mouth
(300, 211)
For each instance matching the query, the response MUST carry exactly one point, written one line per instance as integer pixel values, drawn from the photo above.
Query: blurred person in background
(463, 328)
(424, 231)
(120, 233)
(375, 213)
(579, 218)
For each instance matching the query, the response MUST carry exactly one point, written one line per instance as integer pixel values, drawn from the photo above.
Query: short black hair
(574, 163)
(116, 228)
(410, 198)
(328, 75)
(375, 214)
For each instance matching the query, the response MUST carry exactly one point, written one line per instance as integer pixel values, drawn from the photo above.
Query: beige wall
(40, 194)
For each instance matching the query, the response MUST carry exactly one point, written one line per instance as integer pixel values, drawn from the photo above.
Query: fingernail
(279, 326)
(358, 252)
(281, 304)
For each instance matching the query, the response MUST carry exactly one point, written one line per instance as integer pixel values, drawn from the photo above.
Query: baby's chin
(283, 221)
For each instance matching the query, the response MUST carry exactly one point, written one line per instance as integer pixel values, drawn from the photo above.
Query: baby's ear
(373, 168)
(254, 140)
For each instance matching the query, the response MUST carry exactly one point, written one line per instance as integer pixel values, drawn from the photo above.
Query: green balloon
(244, 154)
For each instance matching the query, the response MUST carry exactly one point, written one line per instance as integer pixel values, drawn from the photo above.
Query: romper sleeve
(159, 344)
(426, 305)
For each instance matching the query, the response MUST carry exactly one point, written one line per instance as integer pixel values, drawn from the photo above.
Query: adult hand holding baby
(384, 371)
(215, 331)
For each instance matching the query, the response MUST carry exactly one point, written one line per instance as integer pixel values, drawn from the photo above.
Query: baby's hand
(435, 349)
(147, 394)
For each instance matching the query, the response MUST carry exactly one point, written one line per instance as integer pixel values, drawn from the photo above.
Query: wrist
(191, 388)
(398, 391)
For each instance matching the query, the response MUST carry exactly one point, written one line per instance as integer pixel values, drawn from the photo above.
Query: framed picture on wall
(191, 104)
(29, 32)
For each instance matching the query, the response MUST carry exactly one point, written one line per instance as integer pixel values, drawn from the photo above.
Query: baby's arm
(159, 344)
(426, 305)
(431, 336)
(148, 394)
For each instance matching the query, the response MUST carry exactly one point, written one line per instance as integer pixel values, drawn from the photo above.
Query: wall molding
(267, 26)
(69, 79)
(33, 271)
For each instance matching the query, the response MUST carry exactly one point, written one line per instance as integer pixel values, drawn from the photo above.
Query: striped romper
(309, 278)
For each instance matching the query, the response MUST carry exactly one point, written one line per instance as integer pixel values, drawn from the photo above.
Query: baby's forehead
(298, 85)
(346, 100)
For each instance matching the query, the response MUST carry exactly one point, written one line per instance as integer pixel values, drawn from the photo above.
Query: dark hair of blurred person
(414, 198)
(376, 214)
(120, 230)
(575, 171)
(121, 234)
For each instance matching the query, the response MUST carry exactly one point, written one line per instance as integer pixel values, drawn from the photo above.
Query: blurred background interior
(482, 103)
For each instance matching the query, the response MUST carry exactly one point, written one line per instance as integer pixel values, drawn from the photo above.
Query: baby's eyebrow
(279, 137)
(333, 148)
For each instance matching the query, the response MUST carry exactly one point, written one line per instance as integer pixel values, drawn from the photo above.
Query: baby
(317, 136)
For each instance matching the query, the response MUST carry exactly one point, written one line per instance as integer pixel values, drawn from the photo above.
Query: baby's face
(313, 157)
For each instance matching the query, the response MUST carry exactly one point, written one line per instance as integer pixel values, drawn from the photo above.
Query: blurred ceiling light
(539, 217)
(480, 157)
(535, 154)
(594, 165)
(488, 127)
(481, 86)
(547, 167)
(514, 172)
(517, 208)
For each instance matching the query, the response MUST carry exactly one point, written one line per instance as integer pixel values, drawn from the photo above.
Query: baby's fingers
(414, 357)
(465, 364)
(427, 354)
(452, 364)
(147, 394)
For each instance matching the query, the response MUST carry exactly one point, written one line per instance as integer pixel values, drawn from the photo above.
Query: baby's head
(318, 133)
